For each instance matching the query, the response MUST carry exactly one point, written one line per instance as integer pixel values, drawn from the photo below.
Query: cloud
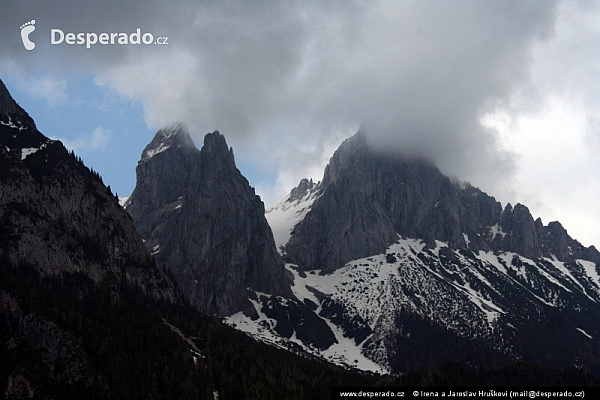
(418, 75)
(552, 126)
(96, 140)
(263, 70)
(51, 90)
(287, 81)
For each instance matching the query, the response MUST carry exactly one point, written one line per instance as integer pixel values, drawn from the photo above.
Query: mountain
(203, 221)
(408, 267)
(284, 215)
(72, 271)
(368, 200)
(390, 264)
(58, 216)
(85, 310)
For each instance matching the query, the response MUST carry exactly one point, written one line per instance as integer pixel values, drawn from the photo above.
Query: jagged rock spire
(204, 222)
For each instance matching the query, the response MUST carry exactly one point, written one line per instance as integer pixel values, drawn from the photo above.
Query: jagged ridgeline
(390, 264)
(58, 216)
(398, 278)
(202, 220)
(409, 267)
(368, 199)
(85, 312)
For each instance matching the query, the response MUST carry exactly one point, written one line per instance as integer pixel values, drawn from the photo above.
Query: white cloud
(552, 126)
(285, 81)
(50, 89)
(557, 176)
(96, 140)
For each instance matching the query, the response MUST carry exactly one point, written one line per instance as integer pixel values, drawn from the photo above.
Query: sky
(502, 94)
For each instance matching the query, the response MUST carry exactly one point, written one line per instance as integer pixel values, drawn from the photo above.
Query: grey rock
(11, 111)
(368, 198)
(205, 223)
(58, 217)
(301, 190)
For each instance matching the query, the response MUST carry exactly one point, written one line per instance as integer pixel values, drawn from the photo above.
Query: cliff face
(367, 199)
(60, 228)
(204, 222)
(58, 216)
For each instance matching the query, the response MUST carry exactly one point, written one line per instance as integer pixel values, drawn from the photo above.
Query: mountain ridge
(390, 195)
(386, 249)
(86, 312)
(65, 241)
(203, 221)
(44, 186)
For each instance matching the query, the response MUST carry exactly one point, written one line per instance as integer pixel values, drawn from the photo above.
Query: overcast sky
(503, 94)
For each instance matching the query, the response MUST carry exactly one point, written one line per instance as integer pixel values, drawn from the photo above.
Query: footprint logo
(26, 29)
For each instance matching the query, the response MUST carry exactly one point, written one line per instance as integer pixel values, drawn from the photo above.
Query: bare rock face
(367, 199)
(305, 186)
(204, 222)
(58, 221)
(57, 215)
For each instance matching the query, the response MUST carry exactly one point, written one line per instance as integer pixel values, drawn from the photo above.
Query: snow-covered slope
(501, 302)
(283, 216)
(395, 265)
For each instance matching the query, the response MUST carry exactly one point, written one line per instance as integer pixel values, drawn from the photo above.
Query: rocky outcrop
(305, 186)
(368, 198)
(11, 112)
(204, 222)
(60, 224)
(58, 217)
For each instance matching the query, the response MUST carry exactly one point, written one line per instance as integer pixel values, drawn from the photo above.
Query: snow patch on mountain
(152, 152)
(11, 124)
(591, 271)
(261, 328)
(457, 289)
(491, 259)
(345, 352)
(283, 216)
(123, 200)
(466, 238)
(163, 141)
(171, 130)
(496, 230)
(26, 152)
(560, 266)
(585, 333)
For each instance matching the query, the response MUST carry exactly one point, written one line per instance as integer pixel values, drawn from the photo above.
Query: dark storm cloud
(273, 76)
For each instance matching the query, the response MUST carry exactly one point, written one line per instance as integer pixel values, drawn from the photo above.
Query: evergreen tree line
(138, 356)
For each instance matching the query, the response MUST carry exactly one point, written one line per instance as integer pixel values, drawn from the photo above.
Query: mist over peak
(288, 82)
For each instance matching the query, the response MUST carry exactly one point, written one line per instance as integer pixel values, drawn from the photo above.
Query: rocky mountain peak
(204, 222)
(343, 157)
(301, 190)
(523, 237)
(163, 170)
(11, 114)
(215, 152)
(368, 198)
(175, 136)
(7, 104)
(58, 217)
